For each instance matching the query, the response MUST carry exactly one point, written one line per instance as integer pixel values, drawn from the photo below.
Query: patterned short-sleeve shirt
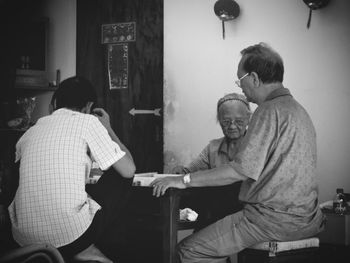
(278, 155)
(51, 205)
(215, 154)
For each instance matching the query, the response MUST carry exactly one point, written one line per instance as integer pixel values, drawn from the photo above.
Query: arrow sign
(155, 112)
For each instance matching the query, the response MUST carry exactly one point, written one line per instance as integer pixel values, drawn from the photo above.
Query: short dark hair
(74, 93)
(263, 60)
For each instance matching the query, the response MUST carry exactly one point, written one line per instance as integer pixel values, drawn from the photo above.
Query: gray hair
(232, 96)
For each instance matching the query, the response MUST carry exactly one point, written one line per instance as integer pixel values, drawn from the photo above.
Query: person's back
(289, 199)
(52, 204)
(53, 163)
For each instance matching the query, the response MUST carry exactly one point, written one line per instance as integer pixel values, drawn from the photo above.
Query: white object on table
(145, 179)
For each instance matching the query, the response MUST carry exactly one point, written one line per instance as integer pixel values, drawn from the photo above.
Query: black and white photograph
(174, 131)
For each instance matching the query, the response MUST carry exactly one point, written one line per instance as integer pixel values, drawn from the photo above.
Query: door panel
(143, 132)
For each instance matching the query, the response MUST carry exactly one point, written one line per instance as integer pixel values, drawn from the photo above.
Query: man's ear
(256, 79)
(87, 108)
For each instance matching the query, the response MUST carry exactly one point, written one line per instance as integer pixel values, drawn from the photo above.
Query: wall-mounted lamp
(313, 5)
(226, 10)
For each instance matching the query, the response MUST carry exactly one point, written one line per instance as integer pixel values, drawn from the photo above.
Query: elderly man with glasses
(276, 162)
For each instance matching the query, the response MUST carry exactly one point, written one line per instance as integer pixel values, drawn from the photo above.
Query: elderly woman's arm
(201, 162)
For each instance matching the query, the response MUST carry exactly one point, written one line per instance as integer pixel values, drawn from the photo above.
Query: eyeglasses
(228, 122)
(238, 81)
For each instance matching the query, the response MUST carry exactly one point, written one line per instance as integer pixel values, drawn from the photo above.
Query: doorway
(127, 70)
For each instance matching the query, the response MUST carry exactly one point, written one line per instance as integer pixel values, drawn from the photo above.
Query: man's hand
(160, 185)
(103, 117)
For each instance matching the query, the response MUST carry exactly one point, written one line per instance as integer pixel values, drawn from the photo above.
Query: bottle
(339, 202)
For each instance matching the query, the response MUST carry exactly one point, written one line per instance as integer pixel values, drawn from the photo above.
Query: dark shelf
(36, 88)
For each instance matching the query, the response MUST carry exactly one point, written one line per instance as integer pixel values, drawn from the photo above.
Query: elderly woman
(233, 113)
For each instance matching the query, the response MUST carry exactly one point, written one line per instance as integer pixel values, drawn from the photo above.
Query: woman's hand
(160, 185)
(178, 170)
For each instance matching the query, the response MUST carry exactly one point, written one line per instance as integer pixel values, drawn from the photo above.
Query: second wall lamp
(226, 10)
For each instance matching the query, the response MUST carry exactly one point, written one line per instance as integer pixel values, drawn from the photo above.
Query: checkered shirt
(51, 205)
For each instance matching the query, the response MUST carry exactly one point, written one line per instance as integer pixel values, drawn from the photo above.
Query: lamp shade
(226, 9)
(316, 4)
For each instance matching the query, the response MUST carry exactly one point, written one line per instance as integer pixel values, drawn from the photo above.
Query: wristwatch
(186, 179)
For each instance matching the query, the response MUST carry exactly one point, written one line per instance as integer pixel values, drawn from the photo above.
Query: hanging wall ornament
(314, 5)
(226, 10)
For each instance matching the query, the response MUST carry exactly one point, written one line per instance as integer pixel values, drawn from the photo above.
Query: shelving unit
(24, 56)
(23, 73)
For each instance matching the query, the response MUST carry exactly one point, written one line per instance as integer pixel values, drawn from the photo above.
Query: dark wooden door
(142, 133)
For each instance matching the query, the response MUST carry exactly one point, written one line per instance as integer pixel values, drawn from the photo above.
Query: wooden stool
(305, 250)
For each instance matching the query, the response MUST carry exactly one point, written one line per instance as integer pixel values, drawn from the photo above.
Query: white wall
(61, 46)
(200, 67)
